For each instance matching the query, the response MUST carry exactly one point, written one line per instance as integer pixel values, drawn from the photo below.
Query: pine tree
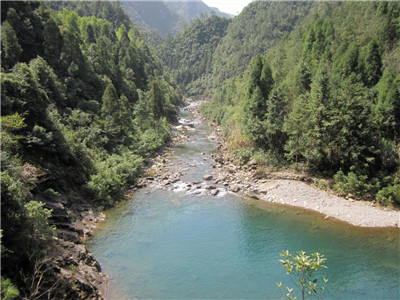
(11, 49)
(156, 99)
(110, 101)
(52, 42)
(259, 87)
(372, 64)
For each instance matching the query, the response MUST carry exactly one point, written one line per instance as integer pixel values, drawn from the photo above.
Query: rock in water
(214, 192)
(207, 177)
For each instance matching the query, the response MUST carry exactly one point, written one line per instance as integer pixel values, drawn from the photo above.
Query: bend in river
(173, 239)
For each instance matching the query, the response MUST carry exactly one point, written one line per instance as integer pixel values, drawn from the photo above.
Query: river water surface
(175, 244)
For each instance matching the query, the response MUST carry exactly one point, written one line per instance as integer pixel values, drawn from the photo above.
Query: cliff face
(69, 270)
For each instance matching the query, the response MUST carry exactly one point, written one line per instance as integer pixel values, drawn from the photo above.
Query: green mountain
(256, 29)
(84, 101)
(166, 16)
(304, 86)
(189, 55)
(324, 98)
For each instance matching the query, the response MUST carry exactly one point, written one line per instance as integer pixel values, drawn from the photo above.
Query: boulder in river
(214, 192)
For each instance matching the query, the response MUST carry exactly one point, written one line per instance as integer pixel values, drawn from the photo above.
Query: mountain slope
(253, 31)
(166, 16)
(324, 99)
(84, 101)
(189, 54)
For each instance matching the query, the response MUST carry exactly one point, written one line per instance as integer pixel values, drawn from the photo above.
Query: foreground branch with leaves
(301, 269)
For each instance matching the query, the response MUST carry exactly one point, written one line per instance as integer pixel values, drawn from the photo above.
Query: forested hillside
(166, 16)
(312, 87)
(211, 50)
(83, 102)
(254, 31)
(325, 99)
(189, 55)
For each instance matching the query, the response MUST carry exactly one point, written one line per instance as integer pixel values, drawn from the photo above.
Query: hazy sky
(233, 7)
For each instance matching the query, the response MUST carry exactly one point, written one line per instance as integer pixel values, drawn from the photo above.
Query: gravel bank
(293, 190)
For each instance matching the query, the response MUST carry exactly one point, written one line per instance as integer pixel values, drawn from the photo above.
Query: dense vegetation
(211, 50)
(254, 31)
(189, 54)
(84, 101)
(324, 99)
(166, 17)
(313, 86)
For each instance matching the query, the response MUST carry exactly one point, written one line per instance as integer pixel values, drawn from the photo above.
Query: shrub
(8, 290)
(112, 175)
(38, 217)
(353, 183)
(390, 194)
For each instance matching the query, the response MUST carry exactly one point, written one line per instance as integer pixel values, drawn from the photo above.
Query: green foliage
(259, 87)
(351, 183)
(38, 217)
(258, 27)
(11, 50)
(189, 54)
(112, 175)
(110, 105)
(390, 194)
(8, 290)
(70, 87)
(302, 267)
(334, 105)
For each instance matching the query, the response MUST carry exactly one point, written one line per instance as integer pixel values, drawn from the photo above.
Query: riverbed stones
(208, 177)
(234, 188)
(251, 194)
(214, 192)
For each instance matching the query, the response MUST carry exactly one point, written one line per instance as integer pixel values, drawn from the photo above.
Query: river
(181, 244)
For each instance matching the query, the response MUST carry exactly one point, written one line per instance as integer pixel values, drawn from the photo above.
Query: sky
(233, 7)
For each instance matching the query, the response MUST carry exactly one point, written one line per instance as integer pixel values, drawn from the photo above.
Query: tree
(260, 84)
(372, 64)
(387, 107)
(53, 42)
(301, 268)
(110, 105)
(8, 290)
(274, 120)
(156, 99)
(11, 49)
(296, 127)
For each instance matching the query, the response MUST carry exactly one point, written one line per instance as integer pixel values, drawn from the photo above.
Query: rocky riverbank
(254, 181)
(296, 190)
(69, 268)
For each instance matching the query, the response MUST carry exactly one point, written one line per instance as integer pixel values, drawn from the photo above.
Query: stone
(210, 187)
(174, 180)
(234, 188)
(251, 194)
(214, 192)
(207, 177)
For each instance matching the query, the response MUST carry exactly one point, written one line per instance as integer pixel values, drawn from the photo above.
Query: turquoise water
(176, 245)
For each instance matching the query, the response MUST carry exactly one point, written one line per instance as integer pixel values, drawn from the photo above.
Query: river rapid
(180, 242)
